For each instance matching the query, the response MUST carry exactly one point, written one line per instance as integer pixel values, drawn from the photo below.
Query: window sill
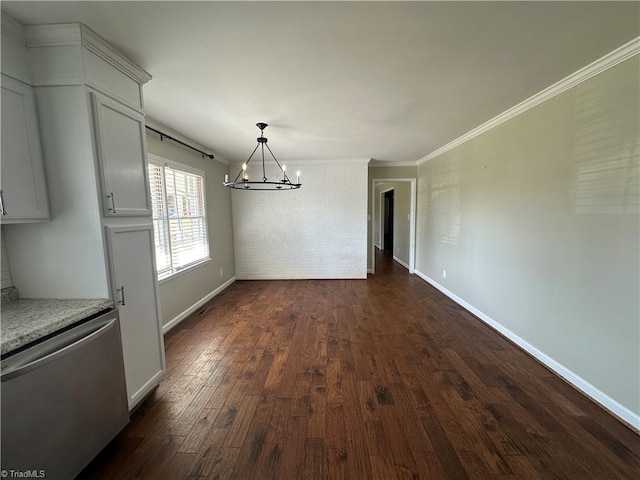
(188, 269)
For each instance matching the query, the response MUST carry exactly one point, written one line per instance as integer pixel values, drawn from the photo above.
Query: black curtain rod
(164, 135)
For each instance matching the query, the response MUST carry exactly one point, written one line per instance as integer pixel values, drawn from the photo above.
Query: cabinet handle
(121, 290)
(2, 210)
(113, 202)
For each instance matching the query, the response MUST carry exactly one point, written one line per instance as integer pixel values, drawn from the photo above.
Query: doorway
(387, 222)
(378, 202)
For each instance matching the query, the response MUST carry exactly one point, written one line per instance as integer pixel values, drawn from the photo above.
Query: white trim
(412, 219)
(401, 262)
(620, 411)
(604, 63)
(177, 319)
(291, 163)
(65, 34)
(98, 45)
(381, 163)
(331, 161)
(185, 270)
(369, 270)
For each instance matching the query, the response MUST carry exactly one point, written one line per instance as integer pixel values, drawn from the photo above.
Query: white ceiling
(392, 81)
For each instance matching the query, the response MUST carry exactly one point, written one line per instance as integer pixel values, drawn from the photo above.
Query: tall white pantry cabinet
(99, 240)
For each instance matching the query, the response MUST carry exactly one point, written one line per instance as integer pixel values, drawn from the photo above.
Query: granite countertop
(25, 320)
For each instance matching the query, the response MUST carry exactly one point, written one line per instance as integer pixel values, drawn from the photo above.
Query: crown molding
(611, 59)
(381, 163)
(98, 45)
(69, 34)
(332, 161)
(310, 162)
(13, 29)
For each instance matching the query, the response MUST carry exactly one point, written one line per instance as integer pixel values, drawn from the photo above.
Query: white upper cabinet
(23, 189)
(121, 148)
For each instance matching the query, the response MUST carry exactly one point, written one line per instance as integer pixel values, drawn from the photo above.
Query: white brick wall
(318, 231)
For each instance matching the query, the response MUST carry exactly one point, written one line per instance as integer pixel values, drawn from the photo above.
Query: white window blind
(179, 217)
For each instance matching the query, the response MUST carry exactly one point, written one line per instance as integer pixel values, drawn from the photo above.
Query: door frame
(412, 218)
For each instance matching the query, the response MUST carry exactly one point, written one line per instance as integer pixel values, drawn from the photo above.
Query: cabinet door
(122, 156)
(135, 291)
(24, 192)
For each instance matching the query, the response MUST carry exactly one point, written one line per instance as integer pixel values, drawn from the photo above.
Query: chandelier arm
(280, 166)
(264, 174)
(251, 156)
(247, 162)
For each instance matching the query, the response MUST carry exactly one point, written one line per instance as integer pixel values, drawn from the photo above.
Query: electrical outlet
(221, 271)
(444, 274)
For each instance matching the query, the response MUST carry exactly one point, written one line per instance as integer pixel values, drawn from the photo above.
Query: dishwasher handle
(48, 357)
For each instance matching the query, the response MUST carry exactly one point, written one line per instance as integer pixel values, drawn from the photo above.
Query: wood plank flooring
(381, 378)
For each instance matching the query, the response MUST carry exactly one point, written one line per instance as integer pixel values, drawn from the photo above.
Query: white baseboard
(176, 320)
(401, 262)
(623, 413)
(369, 270)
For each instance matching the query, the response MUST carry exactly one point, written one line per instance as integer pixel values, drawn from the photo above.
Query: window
(179, 217)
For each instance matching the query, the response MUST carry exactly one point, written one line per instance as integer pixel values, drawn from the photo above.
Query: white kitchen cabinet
(135, 291)
(121, 147)
(23, 191)
(89, 99)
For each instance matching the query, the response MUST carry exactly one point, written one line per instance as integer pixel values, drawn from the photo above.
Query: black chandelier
(242, 179)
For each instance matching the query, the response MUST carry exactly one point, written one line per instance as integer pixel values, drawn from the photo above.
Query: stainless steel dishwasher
(63, 399)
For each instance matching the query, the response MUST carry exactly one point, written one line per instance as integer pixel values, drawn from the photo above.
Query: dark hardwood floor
(385, 378)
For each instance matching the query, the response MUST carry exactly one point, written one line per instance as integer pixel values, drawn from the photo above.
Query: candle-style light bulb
(226, 179)
(284, 173)
(298, 176)
(245, 175)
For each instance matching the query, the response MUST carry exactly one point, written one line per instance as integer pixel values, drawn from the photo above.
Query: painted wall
(318, 231)
(401, 206)
(64, 257)
(537, 225)
(382, 172)
(401, 211)
(179, 293)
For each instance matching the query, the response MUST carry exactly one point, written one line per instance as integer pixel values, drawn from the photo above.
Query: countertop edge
(30, 323)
